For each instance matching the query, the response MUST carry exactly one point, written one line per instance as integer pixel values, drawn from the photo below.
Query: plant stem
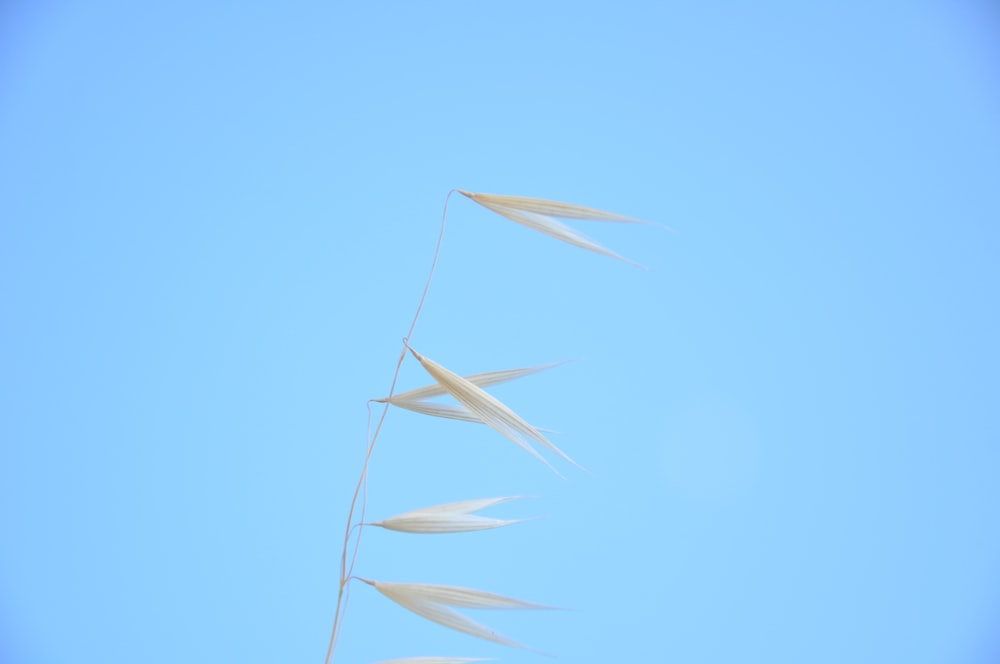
(345, 572)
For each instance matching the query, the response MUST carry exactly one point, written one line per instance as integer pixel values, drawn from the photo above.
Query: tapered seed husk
(491, 411)
(454, 517)
(433, 601)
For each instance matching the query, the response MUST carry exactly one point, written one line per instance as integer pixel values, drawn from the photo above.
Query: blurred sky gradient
(215, 223)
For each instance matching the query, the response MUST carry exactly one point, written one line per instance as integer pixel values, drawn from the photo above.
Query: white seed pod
(538, 213)
(484, 379)
(491, 411)
(434, 660)
(448, 518)
(432, 602)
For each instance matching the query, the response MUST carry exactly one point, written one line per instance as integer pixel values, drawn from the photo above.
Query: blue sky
(215, 224)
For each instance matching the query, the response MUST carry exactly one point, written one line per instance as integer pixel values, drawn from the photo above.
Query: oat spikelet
(550, 208)
(432, 602)
(538, 214)
(434, 660)
(417, 400)
(484, 379)
(449, 518)
(445, 410)
(491, 411)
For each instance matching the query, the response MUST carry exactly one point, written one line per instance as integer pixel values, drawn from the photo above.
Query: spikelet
(417, 400)
(432, 602)
(445, 410)
(434, 660)
(550, 208)
(538, 214)
(448, 518)
(491, 411)
(484, 379)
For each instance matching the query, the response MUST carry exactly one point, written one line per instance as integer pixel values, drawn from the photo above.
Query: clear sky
(215, 224)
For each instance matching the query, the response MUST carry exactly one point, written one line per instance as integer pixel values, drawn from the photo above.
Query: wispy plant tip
(491, 411)
(540, 215)
(449, 518)
(432, 602)
(418, 400)
(434, 660)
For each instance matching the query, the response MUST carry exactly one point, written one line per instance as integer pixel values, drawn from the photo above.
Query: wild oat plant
(437, 603)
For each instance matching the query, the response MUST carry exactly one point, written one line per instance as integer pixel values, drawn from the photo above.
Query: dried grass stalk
(448, 518)
(491, 411)
(538, 214)
(432, 602)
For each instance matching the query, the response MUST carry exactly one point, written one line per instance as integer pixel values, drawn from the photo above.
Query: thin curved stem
(361, 488)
